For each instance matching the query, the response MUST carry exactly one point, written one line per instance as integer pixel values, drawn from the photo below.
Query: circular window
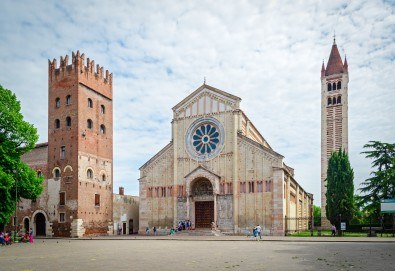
(205, 138)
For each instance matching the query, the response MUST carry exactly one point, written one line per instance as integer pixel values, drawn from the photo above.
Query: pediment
(201, 170)
(206, 100)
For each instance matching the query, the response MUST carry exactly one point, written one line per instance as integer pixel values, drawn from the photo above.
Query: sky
(269, 53)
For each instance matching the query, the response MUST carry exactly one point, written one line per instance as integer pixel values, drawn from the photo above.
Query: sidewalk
(237, 238)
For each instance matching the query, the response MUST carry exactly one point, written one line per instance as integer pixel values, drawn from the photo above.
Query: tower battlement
(77, 66)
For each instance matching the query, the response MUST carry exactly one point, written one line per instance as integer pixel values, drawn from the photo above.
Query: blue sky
(269, 53)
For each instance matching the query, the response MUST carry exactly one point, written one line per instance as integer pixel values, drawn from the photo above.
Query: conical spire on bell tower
(323, 69)
(335, 64)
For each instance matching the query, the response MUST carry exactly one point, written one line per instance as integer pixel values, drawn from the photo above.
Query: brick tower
(80, 145)
(334, 115)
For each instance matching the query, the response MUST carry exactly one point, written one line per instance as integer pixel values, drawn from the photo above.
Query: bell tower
(334, 115)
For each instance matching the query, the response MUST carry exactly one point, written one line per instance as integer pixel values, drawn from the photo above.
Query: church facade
(219, 169)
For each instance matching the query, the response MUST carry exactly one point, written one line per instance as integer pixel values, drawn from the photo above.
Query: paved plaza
(195, 254)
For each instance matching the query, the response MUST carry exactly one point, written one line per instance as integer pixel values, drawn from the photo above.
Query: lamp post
(16, 204)
(340, 224)
(370, 226)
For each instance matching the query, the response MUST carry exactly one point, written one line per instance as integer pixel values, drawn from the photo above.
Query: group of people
(257, 232)
(27, 237)
(184, 225)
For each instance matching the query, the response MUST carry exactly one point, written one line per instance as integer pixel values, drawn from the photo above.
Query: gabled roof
(204, 168)
(205, 86)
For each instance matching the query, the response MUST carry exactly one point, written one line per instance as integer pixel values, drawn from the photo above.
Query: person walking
(258, 231)
(154, 230)
(31, 235)
(333, 230)
(147, 231)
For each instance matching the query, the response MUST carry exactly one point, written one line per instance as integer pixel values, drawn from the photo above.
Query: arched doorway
(26, 224)
(202, 192)
(130, 226)
(40, 224)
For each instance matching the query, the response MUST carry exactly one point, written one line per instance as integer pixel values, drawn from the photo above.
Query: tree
(16, 138)
(381, 184)
(317, 215)
(340, 188)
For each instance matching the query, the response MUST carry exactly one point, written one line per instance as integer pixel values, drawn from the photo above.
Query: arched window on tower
(103, 177)
(68, 122)
(329, 87)
(334, 86)
(339, 100)
(57, 123)
(89, 124)
(68, 100)
(102, 109)
(102, 129)
(57, 102)
(334, 100)
(339, 85)
(57, 173)
(90, 103)
(329, 101)
(89, 174)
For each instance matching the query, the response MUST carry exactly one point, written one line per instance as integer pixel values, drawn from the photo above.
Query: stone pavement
(186, 254)
(245, 238)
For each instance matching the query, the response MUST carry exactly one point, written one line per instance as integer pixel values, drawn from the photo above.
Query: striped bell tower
(334, 115)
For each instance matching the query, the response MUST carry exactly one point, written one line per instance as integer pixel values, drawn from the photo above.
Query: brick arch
(200, 173)
(67, 167)
(53, 172)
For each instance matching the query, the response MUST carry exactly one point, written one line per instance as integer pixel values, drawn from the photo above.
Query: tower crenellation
(79, 67)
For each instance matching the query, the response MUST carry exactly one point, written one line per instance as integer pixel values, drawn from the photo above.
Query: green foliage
(16, 138)
(340, 188)
(381, 184)
(317, 215)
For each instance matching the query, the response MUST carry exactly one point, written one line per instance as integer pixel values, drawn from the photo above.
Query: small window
(250, 187)
(102, 109)
(57, 102)
(62, 217)
(103, 177)
(329, 101)
(89, 174)
(329, 87)
(334, 86)
(68, 122)
(57, 123)
(63, 152)
(339, 100)
(68, 100)
(57, 173)
(89, 124)
(102, 129)
(339, 85)
(334, 100)
(62, 198)
(229, 188)
(90, 103)
(260, 187)
(97, 200)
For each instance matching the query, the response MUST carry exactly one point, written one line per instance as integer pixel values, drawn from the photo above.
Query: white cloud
(266, 52)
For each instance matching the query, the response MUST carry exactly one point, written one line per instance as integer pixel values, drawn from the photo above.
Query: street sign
(343, 226)
(388, 206)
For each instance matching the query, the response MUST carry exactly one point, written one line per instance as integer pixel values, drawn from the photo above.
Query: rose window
(205, 139)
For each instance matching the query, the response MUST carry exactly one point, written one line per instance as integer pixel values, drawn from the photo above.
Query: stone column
(215, 209)
(188, 206)
(236, 114)
(278, 201)
(175, 170)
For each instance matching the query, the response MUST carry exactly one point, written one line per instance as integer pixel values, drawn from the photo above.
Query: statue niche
(202, 187)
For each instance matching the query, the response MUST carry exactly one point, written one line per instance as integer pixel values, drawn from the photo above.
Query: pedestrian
(259, 230)
(31, 235)
(333, 230)
(147, 231)
(154, 230)
(2, 241)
